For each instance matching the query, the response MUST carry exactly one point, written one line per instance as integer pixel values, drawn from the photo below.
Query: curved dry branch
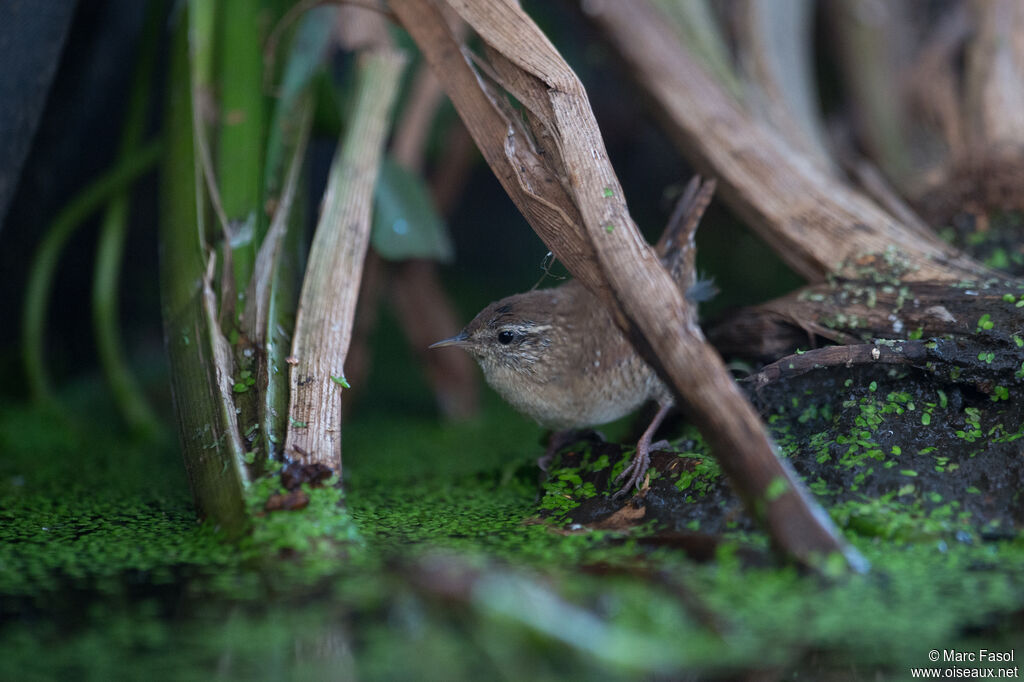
(553, 164)
(775, 48)
(814, 222)
(995, 78)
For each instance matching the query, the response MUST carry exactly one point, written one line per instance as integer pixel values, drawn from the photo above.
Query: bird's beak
(460, 339)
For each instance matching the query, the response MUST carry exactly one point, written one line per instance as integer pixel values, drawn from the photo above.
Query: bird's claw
(634, 473)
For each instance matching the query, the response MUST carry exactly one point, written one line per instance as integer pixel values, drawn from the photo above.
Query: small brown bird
(557, 356)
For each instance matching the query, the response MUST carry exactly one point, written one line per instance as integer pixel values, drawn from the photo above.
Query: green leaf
(405, 222)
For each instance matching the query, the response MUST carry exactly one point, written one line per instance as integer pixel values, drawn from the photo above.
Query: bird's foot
(637, 469)
(634, 473)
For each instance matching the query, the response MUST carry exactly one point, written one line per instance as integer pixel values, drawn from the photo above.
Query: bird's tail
(703, 289)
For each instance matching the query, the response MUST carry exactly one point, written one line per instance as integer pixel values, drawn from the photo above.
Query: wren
(557, 356)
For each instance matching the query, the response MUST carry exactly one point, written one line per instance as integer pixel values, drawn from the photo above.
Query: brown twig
(905, 353)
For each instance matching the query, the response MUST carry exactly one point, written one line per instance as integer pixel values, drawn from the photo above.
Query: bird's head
(511, 335)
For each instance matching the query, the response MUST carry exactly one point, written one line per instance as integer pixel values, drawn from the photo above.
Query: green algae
(432, 565)
(888, 478)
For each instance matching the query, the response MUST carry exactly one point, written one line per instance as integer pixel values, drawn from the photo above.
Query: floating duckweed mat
(448, 561)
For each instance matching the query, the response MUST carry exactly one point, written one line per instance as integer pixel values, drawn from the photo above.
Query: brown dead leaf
(622, 520)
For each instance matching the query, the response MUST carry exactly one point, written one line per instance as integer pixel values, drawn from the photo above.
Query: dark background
(63, 91)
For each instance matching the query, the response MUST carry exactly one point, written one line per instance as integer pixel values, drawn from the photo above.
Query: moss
(994, 241)
(700, 473)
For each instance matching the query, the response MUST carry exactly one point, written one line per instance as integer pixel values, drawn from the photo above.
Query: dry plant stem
(504, 145)
(452, 169)
(357, 29)
(812, 221)
(424, 312)
(775, 45)
(995, 79)
(874, 41)
(269, 299)
(257, 299)
(218, 479)
(871, 180)
(201, 360)
(934, 81)
(600, 245)
(323, 324)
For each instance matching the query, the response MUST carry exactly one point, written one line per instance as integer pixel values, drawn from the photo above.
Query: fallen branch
(851, 312)
(907, 353)
(552, 162)
(815, 222)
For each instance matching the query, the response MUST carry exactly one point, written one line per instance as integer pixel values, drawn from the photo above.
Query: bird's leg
(637, 468)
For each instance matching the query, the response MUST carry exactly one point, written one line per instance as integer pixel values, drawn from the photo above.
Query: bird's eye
(506, 337)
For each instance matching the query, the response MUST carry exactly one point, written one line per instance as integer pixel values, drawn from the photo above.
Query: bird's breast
(578, 399)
